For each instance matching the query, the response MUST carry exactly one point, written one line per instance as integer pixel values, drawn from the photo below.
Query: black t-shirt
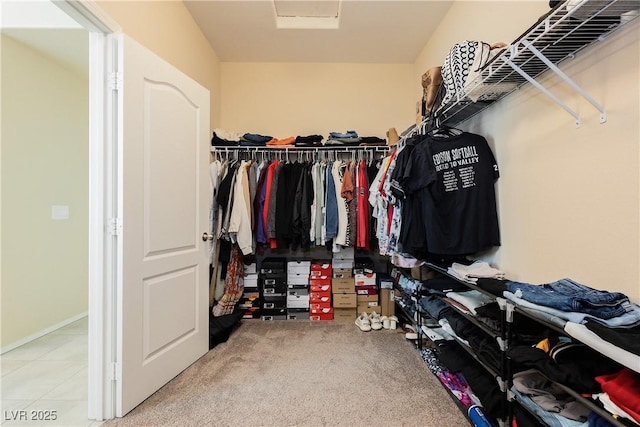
(457, 195)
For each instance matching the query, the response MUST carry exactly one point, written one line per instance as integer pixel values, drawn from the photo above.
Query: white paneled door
(163, 293)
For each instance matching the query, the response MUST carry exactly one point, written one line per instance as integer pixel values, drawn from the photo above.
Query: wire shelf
(557, 36)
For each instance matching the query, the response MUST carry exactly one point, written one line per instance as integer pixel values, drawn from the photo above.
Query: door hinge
(115, 226)
(115, 80)
(116, 371)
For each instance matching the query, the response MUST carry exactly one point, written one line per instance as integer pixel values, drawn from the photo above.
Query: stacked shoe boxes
(366, 286)
(320, 291)
(273, 288)
(367, 292)
(298, 289)
(343, 286)
(250, 301)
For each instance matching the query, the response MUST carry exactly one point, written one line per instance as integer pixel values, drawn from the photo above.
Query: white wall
(45, 130)
(568, 198)
(289, 99)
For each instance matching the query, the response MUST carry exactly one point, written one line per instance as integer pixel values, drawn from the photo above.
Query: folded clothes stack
(224, 138)
(254, 140)
(275, 142)
(349, 138)
(471, 273)
(372, 141)
(309, 141)
(606, 321)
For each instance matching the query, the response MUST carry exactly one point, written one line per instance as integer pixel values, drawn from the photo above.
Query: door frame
(105, 185)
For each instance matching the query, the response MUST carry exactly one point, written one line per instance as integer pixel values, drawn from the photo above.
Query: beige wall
(167, 29)
(288, 99)
(568, 198)
(45, 129)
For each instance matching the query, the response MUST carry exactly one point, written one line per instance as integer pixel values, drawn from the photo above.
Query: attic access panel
(307, 14)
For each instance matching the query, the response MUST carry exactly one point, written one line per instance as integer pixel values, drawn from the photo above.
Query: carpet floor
(301, 373)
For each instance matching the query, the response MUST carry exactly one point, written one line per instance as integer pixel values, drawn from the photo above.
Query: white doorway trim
(104, 171)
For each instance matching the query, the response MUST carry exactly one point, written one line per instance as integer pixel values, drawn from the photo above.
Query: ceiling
(360, 31)
(368, 31)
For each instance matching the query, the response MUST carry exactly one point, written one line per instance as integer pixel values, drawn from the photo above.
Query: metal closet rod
(294, 150)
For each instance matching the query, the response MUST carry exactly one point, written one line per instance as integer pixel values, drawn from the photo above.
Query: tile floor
(47, 374)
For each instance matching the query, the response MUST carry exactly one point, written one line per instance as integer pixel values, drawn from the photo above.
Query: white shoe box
(343, 264)
(298, 279)
(297, 301)
(344, 253)
(365, 279)
(299, 267)
(250, 268)
(251, 280)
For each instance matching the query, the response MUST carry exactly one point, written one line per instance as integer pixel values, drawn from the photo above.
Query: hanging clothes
(343, 219)
(331, 205)
(362, 194)
(233, 284)
(239, 229)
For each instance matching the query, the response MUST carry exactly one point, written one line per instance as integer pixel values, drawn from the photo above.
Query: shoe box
(344, 300)
(274, 314)
(251, 268)
(272, 278)
(274, 284)
(343, 286)
(298, 273)
(251, 280)
(363, 265)
(274, 301)
(324, 288)
(319, 305)
(367, 290)
(320, 298)
(321, 314)
(387, 302)
(271, 317)
(299, 267)
(345, 253)
(246, 303)
(320, 281)
(320, 268)
(297, 280)
(345, 314)
(342, 273)
(364, 307)
(368, 303)
(297, 314)
(342, 264)
(271, 265)
(252, 313)
(298, 298)
(384, 281)
(250, 298)
(366, 279)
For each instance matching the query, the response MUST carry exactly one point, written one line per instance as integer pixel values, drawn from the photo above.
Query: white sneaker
(385, 322)
(363, 322)
(393, 322)
(376, 323)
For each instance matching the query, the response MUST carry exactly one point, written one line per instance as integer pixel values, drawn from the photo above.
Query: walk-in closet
(356, 213)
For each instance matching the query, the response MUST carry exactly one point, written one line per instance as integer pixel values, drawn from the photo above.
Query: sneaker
(363, 322)
(393, 321)
(385, 322)
(376, 323)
